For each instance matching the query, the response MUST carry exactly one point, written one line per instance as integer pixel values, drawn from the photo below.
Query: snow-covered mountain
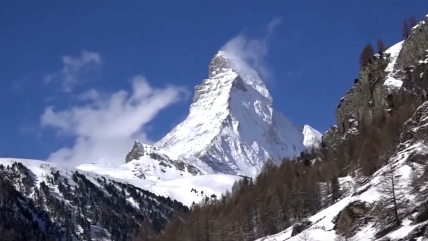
(64, 203)
(105, 203)
(232, 126)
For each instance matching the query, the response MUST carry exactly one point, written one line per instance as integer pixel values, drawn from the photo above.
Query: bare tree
(366, 54)
(146, 232)
(405, 30)
(412, 21)
(380, 46)
(408, 24)
(390, 207)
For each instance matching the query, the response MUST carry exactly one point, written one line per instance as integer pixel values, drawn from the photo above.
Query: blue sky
(65, 65)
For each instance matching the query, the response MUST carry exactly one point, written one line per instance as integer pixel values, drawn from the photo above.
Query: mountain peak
(219, 64)
(231, 125)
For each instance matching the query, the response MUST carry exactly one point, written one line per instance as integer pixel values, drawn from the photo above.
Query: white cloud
(104, 126)
(253, 51)
(75, 70)
(91, 94)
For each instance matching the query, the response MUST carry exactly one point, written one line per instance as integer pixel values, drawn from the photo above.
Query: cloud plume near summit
(253, 51)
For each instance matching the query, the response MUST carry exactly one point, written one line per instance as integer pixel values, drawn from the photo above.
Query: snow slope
(232, 126)
(172, 183)
(182, 187)
(393, 82)
(322, 225)
(40, 171)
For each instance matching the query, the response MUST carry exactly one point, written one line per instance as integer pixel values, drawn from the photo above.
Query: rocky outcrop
(139, 150)
(367, 98)
(136, 152)
(350, 218)
(414, 47)
(416, 128)
(300, 227)
(388, 81)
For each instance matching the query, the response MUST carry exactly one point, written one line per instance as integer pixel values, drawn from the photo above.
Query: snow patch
(391, 82)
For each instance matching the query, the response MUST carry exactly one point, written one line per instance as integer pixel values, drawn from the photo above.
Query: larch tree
(380, 46)
(366, 54)
(388, 211)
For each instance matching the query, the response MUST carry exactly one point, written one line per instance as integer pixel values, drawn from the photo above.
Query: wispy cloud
(104, 125)
(75, 70)
(253, 51)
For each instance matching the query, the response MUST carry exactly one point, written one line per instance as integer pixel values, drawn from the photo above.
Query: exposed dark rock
(239, 83)
(135, 152)
(300, 227)
(357, 212)
(416, 128)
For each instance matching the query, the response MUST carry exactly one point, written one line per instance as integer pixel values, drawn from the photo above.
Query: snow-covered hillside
(322, 225)
(391, 203)
(178, 185)
(232, 126)
(104, 186)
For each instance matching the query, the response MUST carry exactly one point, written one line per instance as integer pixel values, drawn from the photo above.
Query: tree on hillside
(146, 232)
(408, 24)
(405, 30)
(380, 46)
(412, 21)
(366, 54)
(388, 211)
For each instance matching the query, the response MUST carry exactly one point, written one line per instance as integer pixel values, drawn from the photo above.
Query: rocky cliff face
(232, 126)
(386, 82)
(390, 94)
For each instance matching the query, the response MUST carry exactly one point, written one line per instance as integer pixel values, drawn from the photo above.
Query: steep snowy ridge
(232, 126)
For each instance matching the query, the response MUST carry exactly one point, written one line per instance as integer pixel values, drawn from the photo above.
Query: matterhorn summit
(231, 125)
